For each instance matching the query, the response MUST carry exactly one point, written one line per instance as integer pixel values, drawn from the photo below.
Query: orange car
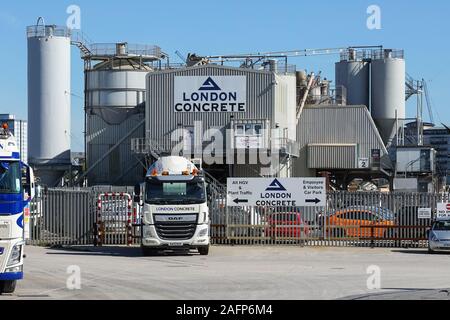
(354, 222)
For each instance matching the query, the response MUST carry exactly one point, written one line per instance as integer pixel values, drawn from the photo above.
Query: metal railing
(367, 219)
(110, 49)
(63, 217)
(348, 219)
(47, 31)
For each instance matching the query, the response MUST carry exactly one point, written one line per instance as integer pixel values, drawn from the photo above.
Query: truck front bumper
(14, 271)
(11, 276)
(151, 239)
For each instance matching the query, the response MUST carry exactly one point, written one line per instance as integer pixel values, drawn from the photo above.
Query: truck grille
(175, 231)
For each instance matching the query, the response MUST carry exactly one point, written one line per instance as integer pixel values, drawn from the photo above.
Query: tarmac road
(240, 272)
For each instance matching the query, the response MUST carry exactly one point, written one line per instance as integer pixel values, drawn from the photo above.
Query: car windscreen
(10, 177)
(175, 192)
(441, 226)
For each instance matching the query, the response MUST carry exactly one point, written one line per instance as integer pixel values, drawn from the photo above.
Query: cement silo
(49, 101)
(388, 91)
(353, 73)
(115, 95)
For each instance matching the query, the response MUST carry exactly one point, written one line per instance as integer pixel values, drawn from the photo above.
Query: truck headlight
(203, 232)
(14, 269)
(148, 232)
(15, 256)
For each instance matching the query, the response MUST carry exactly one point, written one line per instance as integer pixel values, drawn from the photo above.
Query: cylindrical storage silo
(355, 77)
(115, 98)
(49, 101)
(388, 92)
(111, 91)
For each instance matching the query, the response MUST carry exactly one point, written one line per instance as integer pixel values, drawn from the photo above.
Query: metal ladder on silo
(80, 40)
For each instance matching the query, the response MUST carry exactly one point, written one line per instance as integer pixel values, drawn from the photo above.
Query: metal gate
(62, 216)
(83, 216)
(115, 219)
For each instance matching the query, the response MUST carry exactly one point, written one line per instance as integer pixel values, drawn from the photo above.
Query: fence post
(372, 240)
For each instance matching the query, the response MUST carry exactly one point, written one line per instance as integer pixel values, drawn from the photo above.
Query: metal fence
(71, 217)
(63, 217)
(348, 219)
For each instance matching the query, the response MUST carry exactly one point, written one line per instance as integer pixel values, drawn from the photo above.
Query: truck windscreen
(10, 177)
(175, 192)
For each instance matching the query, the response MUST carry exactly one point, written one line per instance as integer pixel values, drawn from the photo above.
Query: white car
(439, 236)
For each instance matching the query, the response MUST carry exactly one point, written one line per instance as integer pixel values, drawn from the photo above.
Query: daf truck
(16, 192)
(174, 207)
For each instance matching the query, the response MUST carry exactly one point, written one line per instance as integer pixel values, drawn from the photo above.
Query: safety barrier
(114, 219)
(108, 216)
(63, 217)
(370, 219)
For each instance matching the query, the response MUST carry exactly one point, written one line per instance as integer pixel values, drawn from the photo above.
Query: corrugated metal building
(115, 88)
(266, 98)
(120, 167)
(336, 138)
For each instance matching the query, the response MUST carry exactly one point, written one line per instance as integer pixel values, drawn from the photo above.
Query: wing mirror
(137, 194)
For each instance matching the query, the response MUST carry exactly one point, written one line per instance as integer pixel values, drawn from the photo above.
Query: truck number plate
(176, 244)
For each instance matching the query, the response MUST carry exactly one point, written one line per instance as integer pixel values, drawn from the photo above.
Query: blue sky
(421, 28)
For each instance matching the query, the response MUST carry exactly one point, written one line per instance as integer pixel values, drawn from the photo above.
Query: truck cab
(175, 212)
(16, 192)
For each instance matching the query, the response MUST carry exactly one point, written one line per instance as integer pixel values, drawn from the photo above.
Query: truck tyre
(148, 252)
(204, 251)
(8, 286)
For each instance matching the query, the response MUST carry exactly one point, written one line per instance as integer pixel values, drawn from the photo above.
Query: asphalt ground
(233, 273)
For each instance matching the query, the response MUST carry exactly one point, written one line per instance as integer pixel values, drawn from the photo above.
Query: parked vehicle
(16, 192)
(286, 225)
(439, 236)
(175, 212)
(359, 222)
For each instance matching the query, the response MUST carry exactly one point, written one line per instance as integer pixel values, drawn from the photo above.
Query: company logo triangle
(276, 186)
(209, 85)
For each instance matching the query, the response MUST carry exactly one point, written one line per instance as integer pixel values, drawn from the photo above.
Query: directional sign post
(276, 192)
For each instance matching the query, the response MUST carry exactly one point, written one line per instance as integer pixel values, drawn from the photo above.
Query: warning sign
(443, 211)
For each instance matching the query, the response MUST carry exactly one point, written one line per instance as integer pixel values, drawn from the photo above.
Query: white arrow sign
(276, 192)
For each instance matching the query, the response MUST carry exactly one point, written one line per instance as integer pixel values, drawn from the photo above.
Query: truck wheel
(149, 252)
(204, 251)
(8, 286)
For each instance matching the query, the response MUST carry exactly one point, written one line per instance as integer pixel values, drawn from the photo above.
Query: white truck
(174, 208)
(16, 191)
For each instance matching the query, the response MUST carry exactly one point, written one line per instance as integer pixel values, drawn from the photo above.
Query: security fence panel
(107, 216)
(114, 221)
(365, 219)
(62, 217)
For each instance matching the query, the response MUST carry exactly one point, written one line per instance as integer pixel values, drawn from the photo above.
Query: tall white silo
(388, 91)
(49, 101)
(353, 73)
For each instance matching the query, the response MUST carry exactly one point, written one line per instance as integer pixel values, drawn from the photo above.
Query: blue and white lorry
(175, 212)
(16, 191)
